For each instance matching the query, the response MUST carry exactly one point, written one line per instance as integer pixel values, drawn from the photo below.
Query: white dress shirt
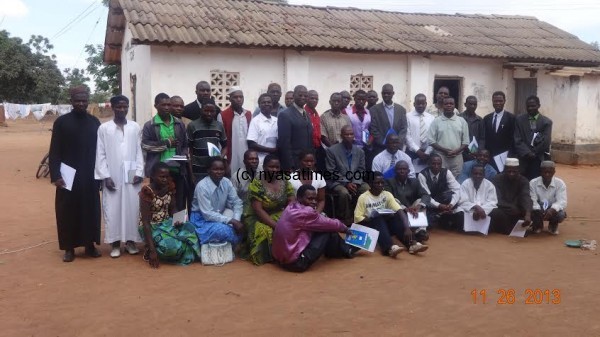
(382, 162)
(413, 137)
(453, 185)
(263, 131)
(555, 193)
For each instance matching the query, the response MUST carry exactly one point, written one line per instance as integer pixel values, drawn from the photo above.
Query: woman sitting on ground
(176, 243)
(307, 176)
(268, 194)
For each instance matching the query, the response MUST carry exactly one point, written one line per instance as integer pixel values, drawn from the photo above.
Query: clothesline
(14, 111)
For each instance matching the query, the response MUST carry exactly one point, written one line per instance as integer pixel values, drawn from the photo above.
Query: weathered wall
(136, 60)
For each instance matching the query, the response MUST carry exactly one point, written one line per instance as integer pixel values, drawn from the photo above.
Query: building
(170, 45)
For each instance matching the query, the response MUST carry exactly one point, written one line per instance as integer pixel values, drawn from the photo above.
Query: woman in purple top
(302, 235)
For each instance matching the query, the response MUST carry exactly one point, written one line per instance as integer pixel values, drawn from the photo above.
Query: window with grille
(360, 81)
(220, 82)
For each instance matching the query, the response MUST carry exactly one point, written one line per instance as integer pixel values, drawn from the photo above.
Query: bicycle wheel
(44, 168)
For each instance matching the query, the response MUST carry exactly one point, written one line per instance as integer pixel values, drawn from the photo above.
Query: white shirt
(485, 196)
(382, 161)
(263, 131)
(239, 132)
(413, 137)
(498, 116)
(317, 180)
(453, 185)
(555, 193)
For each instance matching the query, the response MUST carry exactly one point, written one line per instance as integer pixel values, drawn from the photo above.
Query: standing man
(235, 122)
(294, 130)
(289, 99)
(163, 137)
(333, 120)
(514, 200)
(419, 122)
(372, 98)
(193, 110)
(346, 98)
(449, 136)
(273, 90)
(475, 124)
(262, 132)
(177, 106)
(348, 161)
(499, 128)
(533, 133)
(387, 117)
(120, 167)
(311, 109)
(437, 109)
(74, 139)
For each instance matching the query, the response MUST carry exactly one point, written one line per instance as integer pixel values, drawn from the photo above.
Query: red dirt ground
(426, 295)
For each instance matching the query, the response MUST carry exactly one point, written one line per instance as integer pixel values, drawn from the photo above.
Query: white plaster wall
(558, 99)
(481, 77)
(176, 70)
(330, 72)
(135, 59)
(588, 111)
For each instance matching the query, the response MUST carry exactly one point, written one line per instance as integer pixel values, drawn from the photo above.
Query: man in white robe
(477, 196)
(120, 166)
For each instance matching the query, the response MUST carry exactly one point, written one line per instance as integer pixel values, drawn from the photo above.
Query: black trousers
(504, 219)
(181, 190)
(329, 244)
(388, 226)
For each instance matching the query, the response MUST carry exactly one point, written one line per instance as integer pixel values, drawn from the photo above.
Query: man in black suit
(386, 117)
(346, 164)
(193, 110)
(533, 134)
(294, 130)
(499, 128)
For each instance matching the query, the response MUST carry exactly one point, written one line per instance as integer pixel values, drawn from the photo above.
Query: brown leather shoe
(69, 256)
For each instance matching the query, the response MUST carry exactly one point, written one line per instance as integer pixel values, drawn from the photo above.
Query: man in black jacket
(499, 128)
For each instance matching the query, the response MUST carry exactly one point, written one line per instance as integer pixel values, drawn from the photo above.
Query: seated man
(514, 200)
(302, 235)
(443, 192)
(346, 161)
(379, 210)
(244, 175)
(216, 208)
(477, 196)
(549, 197)
(385, 161)
(482, 157)
(408, 192)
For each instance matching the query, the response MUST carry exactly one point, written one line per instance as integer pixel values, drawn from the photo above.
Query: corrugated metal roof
(251, 23)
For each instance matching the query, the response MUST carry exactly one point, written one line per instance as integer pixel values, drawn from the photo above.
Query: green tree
(73, 78)
(27, 73)
(106, 76)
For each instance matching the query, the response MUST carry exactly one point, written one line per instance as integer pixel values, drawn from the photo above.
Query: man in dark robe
(73, 143)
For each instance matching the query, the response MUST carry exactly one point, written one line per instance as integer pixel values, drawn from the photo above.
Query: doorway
(454, 85)
(524, 87)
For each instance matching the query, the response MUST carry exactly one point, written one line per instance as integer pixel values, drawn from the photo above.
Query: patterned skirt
(260, 240)
(178, 245)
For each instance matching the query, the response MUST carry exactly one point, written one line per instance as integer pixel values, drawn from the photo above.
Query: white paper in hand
(518, 230)
(481, 226)
(179, 217)
(420, 221)
(68, 175)
(213, 150)
(500, 160)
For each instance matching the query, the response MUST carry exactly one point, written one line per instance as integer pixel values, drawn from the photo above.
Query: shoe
(131, 248)
(69, 256)
(553, 229)
(421, 235)
(537, 230)
(395, 250)
(352, 250)
(417, 248)
(92, 252)
(115, 252)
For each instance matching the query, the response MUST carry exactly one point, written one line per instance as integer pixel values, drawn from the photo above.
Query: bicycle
(44, 168)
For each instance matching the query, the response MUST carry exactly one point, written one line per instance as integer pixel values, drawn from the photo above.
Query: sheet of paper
(363, 237)
(518, 230)
(419, 164)
(420, 221)
(213, 150)
(535, 134)
(178, 158)
(473, 145)
(382, 211)
(365, 136)
(68, 175)
(180, 216)
(128, 171)
(481, 226)
(500, 160)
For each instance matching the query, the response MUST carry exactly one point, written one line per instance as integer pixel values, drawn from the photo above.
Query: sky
(71, 24)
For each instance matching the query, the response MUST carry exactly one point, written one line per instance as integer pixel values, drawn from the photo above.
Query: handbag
(216, 253)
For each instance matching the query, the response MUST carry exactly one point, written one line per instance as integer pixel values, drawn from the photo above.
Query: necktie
(423, 130)
(494, 122)
(393, 161)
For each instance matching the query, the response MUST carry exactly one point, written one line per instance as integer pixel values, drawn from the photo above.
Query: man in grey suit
(294, 131)
(387, 116)
(533, 134)
(346, 163)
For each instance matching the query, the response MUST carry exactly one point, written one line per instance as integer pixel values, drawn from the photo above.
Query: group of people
(281, 182)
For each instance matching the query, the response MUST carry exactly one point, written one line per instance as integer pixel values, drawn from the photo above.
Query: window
(454, 85)
(220, 82)
(360, 81)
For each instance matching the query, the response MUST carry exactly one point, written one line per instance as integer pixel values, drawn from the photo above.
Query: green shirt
(166, 132)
